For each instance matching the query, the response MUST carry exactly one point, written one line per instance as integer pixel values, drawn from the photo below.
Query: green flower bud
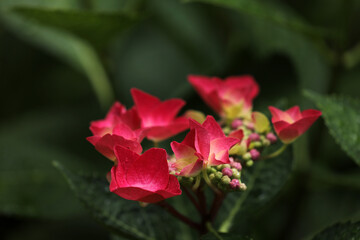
(226, 166)
(266, 143)
(236, 173)
(212, 176)
(249, 163)
(225, 180)
(218, 175)
(247, 156)
(219, 167)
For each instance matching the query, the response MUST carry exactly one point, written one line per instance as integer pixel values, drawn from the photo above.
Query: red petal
(220, 144)
(137, 194)
(150, 171)
(202, 139)
(278, 115)
(145, 103)
(192, 169)
(239, 134)
(125, 159)
(164, 113)
(294, 113)
(172, 189)
(213, 128)
(207, 89)
(163, 132)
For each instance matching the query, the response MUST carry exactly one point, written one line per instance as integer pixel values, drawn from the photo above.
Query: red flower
(120, 127)
(231, 98)
(158, 119)
(143, 178)
(204, 145)
(292, 123)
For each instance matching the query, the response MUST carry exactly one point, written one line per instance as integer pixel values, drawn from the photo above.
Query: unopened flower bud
(271, 137)
(226, 130)
(235, 173)
(212, 176)
(225, 180)
(226, 165)
(254, 137)
(247, 156)
(250, 125)
(218, 175)
(227, 172)
(242, 186)
(236, 123)
(249, 163)
(236, 165)
(255, 154)
(266, 143)
(235, 184)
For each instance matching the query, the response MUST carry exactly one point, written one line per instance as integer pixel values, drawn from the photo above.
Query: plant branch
(276, 153)
(170, 209)
(218, 200)
(192, 199)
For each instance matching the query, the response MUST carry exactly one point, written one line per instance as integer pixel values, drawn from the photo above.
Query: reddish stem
(192, 199)
(217, 202)
(170, 209)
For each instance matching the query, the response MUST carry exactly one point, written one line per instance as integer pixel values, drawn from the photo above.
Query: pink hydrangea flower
(120, 127)
(205, 145)
(158, 119)
(292, 123)
(230, 98)
(143, 177)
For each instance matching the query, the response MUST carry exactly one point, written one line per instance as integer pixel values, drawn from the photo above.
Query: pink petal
(137, 194)
(164, 113)
(278, 115)
(192, 169)
(213, 128)
(221, 158)
(131, 118)
(163, 132)
(144, 102)
(278, 126)
(239, 134)
(172, 189)
(190, 139)
(150, 171)
(125, 159)
(294, 113)
(202, 139)
(217, 146)
(245, 84)
(207, 89)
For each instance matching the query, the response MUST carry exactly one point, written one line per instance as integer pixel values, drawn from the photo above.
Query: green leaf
(125, 218)
(29, 185)
(342, 117)
(340, 231)
(96, 27)
(73, 50)
(211, 236)
(268, 11)
(264, 181)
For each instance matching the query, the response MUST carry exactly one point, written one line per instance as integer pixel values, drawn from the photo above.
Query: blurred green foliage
(63, 63)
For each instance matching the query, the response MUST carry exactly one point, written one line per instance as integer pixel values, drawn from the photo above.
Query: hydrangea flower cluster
(214, 152)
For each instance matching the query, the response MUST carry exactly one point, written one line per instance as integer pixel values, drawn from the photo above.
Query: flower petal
(150, 171)
(144, 102)
(172, 189)
(213, 128)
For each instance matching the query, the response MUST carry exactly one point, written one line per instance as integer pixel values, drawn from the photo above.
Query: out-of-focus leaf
(211, 236)
(126, 218)
(340, 231)
(96, 27)
(189, 28)
(264, 182)
(268, 11)
(69, 48)
(342, 116)
(352, 57)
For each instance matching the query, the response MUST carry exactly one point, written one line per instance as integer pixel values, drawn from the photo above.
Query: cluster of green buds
(226, 177)
(257, 136)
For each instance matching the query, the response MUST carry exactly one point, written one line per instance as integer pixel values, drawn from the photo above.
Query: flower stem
(192, 198)
(207, 180)
(197, 183)
(170, 209)
(217, 202)
(276, 153)
(210, 228)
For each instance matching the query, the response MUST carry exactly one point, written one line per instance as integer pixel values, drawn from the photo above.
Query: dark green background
(63, 63)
